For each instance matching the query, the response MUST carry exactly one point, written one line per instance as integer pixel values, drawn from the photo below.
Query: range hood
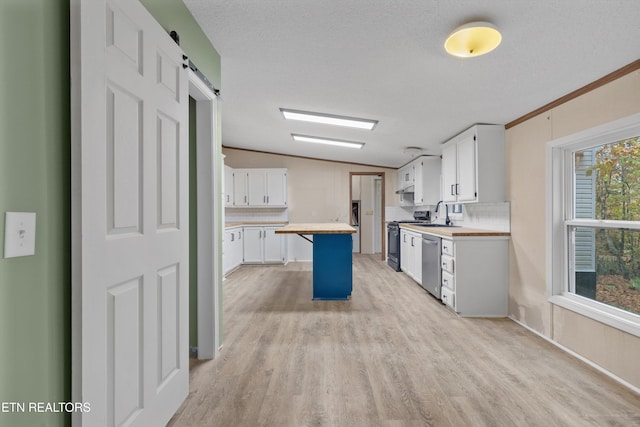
(406, 190)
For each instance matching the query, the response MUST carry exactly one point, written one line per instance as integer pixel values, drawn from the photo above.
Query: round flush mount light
(473, 39)
(412, 151)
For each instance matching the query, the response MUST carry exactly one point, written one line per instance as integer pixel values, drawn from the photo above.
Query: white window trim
(558, 211)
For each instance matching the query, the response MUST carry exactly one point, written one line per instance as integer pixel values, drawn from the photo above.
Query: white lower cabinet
(263, 246)
(411, 254)
(232, 247)
(252, 245)
(475, 276)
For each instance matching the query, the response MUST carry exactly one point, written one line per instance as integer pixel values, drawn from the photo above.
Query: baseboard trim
(581, 358)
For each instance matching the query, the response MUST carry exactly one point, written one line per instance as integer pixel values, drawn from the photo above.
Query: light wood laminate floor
(391, 356)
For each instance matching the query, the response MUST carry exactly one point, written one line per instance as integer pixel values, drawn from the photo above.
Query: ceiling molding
(307, 158)
(621, 72)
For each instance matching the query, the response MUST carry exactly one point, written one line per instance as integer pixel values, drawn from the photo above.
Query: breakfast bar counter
(332, 257)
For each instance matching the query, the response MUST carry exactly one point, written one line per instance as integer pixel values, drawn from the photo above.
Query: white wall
(613, 350)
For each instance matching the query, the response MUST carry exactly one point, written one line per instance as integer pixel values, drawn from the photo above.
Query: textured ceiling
(384, 60)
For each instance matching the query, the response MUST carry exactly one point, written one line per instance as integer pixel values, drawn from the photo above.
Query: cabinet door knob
(452, 193)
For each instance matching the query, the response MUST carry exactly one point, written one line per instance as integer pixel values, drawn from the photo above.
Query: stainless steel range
(393, 237)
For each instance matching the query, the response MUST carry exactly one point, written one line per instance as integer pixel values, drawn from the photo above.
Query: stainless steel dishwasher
(431, 273)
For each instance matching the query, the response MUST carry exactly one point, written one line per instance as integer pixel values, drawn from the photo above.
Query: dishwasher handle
(430, 242)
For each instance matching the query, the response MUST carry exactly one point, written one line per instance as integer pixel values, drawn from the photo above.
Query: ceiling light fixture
(473, 39)
(412, 151)
(329, 141)
(328, 119)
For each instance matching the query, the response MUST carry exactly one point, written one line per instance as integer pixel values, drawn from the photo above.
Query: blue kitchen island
(332, 257)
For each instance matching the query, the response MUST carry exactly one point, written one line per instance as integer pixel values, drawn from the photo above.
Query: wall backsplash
(488, 216)
(256, 215)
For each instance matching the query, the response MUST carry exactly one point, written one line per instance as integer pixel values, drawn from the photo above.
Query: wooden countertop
(317, 228)
(236, 224)
(456, 231)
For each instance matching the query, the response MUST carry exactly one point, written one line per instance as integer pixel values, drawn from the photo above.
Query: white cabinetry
(473, 166)
(228, 186)
(240, 197)
(420, 181)
(427, 180)
(267, 187)
(406, 176)
(475, 276)
(258, 188)
(411, 254)
(263, 246)
(232, 248)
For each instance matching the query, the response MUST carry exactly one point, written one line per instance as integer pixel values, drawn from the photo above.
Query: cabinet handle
(445, 281)
(259, 234)
(452, 193)
(245, 199)
(412, 240)
(239, 235)
(457, 189)
(445, 247)
(404, 238)
(267, 199)
(232, 237)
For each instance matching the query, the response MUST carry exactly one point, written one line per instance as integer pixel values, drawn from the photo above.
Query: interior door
(130, 215)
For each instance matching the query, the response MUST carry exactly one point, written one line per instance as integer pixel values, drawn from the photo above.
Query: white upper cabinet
(260, 187)
(427, 180)
(449, 173)
(228, 186)
(277, 187)
(406, 176)
(240, 197)
(420, 181)
(473, 166)
(267, 187)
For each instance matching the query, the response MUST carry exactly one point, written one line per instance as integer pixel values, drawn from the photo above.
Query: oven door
(393, 245)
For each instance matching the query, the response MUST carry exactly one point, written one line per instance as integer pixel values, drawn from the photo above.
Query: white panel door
(467, 169)
(130, 201)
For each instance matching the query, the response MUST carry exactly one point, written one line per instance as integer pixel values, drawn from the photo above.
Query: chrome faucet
(447, 220)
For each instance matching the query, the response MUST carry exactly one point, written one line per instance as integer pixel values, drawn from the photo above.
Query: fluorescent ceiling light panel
(328, 141)
(328, 119)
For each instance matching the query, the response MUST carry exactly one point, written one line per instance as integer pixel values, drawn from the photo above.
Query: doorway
(205, 244)
(366, 204)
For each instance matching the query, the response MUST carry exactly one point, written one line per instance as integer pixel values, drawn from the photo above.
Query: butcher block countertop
(456, 231)
(236, 224)
(317, 228)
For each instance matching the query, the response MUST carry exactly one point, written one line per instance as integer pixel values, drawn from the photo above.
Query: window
(594, 223)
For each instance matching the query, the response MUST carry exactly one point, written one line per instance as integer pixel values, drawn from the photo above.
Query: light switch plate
(19, 234)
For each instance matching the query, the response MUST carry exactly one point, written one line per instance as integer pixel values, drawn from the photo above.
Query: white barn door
(130, 218)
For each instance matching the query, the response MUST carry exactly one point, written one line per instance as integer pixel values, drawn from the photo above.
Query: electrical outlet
(19, 234)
